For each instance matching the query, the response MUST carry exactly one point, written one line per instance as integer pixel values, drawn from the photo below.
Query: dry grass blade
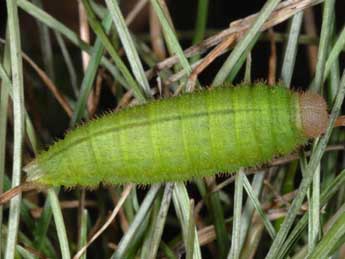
(283, 12)
(124, 195)
(50, 85)
(208, 60)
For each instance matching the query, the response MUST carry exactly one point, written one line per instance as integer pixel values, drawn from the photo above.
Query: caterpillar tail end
(33, 171)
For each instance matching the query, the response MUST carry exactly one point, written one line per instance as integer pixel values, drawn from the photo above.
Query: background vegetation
(77, 59)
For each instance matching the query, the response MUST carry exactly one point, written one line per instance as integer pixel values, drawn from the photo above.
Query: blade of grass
(252, 195)
(46, 45)
(145, 244)
(306, 181)
(18, 110)
(83, 232)
(163, 212)
(235, 250)
(314, 211)
(328, 192)
(97, 28)
(201, 21)
(128, 45)
(57, 26)
(217, 213)
(109, 220)
(59, 224)
(182, 208)
(330, 239)
(190, 232)
(288, 66)
(126, 240)
(40, 232)
(170, 35)
(248, 70)
(32, 137)
(325, 38)
(90, 75)
(200, 24)
(233, 73)
(248, 210)
(291, 49)
(24, 253)
(334, 54)
(51, 22)
(215, 209)
(69, 63)
(29, 127)
(4, 96)
(245, 42)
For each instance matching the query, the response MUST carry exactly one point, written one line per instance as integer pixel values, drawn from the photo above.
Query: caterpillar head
(314, 115)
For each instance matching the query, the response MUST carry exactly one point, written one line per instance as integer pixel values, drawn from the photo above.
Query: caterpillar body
(176, 139)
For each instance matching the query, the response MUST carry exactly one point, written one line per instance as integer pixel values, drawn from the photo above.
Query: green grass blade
(182, 208)
(126, 240)
(200, 24)
(83, 232)
(217, 212)
(162, 215)
(190, 232)
(235, 250)
(46, 45)
(201, 21)
(330, 239)
(328, 192)
(57, 26)
(291, 49)
(310, 169)
(248, 209)
(69, 63)
(233, 73)
(253, 197)
(90, 75)
(59, 223)
(41, 229)
(128, 45)
(4, 96)
(97, 28)
(242, 46)
(248, 70)
(335, 52)
(51, 22)
(18, 110)
(145, 244)
(325, 38)
(314, 211)
(171, 37)
(24, 253)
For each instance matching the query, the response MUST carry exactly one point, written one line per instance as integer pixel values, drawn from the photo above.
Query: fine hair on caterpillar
(180, 138)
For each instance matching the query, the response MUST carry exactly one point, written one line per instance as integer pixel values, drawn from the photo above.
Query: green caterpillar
(176, 139)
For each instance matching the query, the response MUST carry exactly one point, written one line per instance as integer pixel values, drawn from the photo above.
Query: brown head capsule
(314, 115)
